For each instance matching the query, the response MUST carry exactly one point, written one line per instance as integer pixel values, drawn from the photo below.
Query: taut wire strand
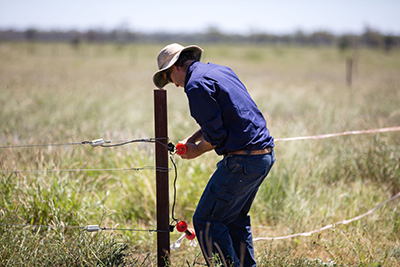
(161, 169)
(323, 136)
(330, 225)
(96, 227)
(109, 142)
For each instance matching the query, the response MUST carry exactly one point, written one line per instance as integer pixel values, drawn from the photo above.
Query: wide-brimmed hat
(167, 58)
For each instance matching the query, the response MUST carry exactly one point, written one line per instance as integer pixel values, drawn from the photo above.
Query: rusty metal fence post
(162, 184)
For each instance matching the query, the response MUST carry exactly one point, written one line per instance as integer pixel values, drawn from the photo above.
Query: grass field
(57, 94)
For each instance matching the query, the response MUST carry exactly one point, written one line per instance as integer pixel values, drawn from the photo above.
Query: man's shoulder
(211, 70)
(205, 76)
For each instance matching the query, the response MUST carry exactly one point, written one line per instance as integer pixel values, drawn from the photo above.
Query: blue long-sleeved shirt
(226, 113)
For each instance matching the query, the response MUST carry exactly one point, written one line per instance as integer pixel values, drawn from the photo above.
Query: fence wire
(93, 143)
(171, 148)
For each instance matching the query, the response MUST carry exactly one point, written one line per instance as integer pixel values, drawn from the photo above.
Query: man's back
(224, 109)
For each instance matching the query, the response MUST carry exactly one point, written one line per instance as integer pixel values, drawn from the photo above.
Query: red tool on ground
(181, 148)
(182, 227)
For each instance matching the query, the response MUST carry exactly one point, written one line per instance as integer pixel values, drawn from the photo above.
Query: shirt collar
(189, 71)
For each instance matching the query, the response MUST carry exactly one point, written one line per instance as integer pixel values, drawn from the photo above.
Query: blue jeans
(221, 219)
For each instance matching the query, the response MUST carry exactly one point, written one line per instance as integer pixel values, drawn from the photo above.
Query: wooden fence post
(349, 71)
(162, 190)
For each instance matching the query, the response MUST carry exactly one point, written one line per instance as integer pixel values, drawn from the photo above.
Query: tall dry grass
(55, 93)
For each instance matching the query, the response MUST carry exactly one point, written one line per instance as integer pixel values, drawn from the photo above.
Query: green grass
(54, 93)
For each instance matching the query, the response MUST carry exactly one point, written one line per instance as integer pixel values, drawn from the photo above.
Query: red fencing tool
(181, 148)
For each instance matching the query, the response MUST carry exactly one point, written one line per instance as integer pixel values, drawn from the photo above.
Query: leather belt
(251, 152)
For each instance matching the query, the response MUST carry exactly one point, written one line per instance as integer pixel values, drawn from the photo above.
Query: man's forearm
(195, 137)
(204, 146)
(194, 150)
(196, 145)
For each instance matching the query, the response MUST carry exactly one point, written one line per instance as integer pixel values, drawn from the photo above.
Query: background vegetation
(122, 35)
(57, 93)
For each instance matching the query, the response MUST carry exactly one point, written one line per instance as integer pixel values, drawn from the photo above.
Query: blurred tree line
(369, 38)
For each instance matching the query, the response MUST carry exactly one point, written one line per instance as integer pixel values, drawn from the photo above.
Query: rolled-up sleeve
(207, 112)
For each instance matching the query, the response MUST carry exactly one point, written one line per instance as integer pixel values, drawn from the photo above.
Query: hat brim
(158, 77)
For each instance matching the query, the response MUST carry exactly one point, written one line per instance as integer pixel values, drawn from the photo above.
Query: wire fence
(161, 169)
(172, 150)
(323, 136)
(88, 228)
(94, 143)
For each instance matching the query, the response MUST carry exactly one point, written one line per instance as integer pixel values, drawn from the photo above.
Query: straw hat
(167, 58)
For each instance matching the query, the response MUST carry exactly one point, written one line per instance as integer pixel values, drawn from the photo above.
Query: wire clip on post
(182, 227)
(171, 147)
(97, 142)
(181, 148)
